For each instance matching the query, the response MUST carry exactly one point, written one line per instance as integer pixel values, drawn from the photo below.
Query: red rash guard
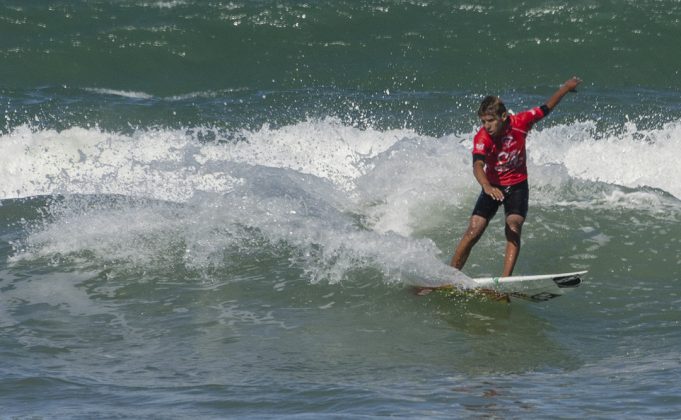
(505, 159)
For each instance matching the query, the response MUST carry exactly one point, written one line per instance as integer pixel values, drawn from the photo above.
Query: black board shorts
(516, 198)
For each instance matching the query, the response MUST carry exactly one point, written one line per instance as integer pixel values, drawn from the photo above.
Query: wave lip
(633, 158)
(378, 166)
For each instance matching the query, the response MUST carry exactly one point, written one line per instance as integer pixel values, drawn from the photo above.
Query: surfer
(500, 167)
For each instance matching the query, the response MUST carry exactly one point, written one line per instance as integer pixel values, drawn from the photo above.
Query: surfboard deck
(536, 288)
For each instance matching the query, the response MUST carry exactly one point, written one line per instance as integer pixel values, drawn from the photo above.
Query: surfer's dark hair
(491, 105)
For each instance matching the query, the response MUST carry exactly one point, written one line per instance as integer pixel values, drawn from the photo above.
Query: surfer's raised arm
(570, 85)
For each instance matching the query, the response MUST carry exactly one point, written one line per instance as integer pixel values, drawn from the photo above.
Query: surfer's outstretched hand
(572, 83)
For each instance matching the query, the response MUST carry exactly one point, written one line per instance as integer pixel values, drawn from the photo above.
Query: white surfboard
(537, 288)
(534, 288)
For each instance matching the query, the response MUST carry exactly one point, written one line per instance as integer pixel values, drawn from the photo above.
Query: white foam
(154, 164)
(208, 232)
(403, 186)
(203, 94)
(165, 4)
(324, 148)
(111, 230)
(632, 158)
(123, 93)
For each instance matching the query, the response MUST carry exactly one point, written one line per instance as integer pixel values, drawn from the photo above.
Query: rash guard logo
(510, 156)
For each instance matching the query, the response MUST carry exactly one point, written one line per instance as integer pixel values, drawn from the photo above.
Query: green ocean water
(218, 209)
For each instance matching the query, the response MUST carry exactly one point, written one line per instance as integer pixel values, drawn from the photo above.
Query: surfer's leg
(514, 226)
(476, 227)
(515, 208)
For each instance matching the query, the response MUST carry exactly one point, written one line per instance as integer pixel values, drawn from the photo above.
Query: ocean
(219, 209)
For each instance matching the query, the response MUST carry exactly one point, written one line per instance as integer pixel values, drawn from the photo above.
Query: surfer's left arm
(570, 85)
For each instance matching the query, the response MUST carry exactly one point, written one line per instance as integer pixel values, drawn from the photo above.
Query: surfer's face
(493, 124)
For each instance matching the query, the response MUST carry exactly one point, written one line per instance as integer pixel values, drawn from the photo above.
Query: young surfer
(500, 167)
